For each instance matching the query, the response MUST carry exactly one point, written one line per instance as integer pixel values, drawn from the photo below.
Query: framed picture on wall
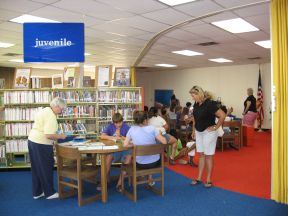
(22, 77)
(70, 77)
(122, 77)
(57, 81)
(103, 75)
(2, 83)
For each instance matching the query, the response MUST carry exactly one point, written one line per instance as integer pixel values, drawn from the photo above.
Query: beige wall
(228, 82)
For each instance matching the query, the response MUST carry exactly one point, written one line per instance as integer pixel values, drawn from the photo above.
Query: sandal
(195, 182)
(208, 184)
(119, 188)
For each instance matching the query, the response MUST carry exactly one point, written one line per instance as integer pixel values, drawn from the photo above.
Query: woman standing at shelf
(116, 131)
(40, 145)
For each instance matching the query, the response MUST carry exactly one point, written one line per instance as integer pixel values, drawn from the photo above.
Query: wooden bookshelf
(88, 111)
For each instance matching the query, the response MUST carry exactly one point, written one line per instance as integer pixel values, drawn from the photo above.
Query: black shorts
(150, 165)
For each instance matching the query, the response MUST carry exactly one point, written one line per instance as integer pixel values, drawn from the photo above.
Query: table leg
(104, 178)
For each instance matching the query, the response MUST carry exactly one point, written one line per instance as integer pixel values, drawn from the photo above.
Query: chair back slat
(151, 149)
(67, 152)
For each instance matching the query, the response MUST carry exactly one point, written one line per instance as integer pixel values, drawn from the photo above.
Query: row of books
(78, 111)
(17, 146)
(107, 112)
(75, 96)
(35, 82)
(75, 128)
(118, 96)
(16, 114)
(23, 97)
(18, 129)
(2, 151)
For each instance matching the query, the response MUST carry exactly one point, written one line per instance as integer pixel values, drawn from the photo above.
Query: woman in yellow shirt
(40, 145)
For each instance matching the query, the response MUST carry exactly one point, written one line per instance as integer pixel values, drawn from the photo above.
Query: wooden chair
(234, 137)
(138, 175)
(72, 170)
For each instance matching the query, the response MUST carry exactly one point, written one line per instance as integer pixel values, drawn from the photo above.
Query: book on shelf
(18, 129)
(17, 146)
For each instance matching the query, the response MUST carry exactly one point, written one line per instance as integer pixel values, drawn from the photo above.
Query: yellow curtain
(279, 19)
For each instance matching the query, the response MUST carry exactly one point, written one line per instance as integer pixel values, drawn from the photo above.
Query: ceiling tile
(22, 6)
(168, 16)
(92, 8)
(199, 8)
(137, 7)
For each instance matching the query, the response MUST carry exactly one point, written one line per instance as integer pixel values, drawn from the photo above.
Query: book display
(88, 112)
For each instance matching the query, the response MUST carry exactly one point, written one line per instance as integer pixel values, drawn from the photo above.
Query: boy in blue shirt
(116, 131)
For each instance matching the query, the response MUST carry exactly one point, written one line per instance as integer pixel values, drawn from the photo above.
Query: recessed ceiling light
(72, 65)
(237, 25)
(175, 2)
(17, 60)
(117, 34)
(165, 65)
(6, 45)
(26, 18)
(87, 54)
(266, 44)
(187, 52)
(220, 60)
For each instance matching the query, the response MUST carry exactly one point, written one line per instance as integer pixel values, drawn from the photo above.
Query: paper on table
(110, 147)
(90, 148)
(96, 144)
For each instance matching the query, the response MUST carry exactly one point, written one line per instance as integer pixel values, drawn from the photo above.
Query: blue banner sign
(53, 42)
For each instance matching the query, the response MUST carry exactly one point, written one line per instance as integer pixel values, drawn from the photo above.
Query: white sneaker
(54, 196)
(37, 197)
(151, 184)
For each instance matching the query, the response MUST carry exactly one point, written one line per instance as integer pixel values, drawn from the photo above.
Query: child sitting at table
(142, 134)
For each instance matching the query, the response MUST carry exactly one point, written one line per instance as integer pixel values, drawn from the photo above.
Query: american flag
(259, 104)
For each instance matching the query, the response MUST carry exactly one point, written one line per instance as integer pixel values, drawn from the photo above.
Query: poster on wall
(122, 77)
(69, 77)
(57, 81)
(22, 77)
(103, 75)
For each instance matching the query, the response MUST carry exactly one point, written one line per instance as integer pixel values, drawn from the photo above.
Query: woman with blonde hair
(205, 131)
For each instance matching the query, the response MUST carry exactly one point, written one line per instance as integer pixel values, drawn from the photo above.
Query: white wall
(228, 82)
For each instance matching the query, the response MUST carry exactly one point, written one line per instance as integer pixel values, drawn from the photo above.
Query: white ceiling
(139, 21)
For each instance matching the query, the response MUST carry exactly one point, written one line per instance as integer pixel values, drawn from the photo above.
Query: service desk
(103, 153)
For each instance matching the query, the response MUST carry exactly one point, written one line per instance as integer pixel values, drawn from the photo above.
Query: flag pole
(260, 98)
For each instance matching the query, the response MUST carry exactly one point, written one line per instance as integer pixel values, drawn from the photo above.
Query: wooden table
(103, 154)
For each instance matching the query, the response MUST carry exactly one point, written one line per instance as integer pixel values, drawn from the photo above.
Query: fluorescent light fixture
(266, 44)
(89, 66)
(117, 34)
(237, 25)
(175, 2)
(165, 65)
(26, 18)
(17, 60)
(115, 41)
(87, 54)
(6, 45)
(187, 52)
(220, 60)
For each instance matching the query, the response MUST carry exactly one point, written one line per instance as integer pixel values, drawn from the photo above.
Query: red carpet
(247, 171)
